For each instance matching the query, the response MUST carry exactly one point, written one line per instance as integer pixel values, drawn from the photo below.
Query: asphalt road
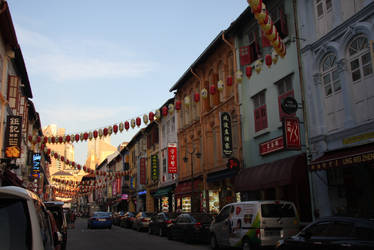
(81, 238)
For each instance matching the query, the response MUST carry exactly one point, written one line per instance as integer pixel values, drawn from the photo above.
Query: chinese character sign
(35, 169)
(154, 167)
(271, 146)
(291, 133)
(142, 172)
(226, 135)
(172, 158)
(13, 135)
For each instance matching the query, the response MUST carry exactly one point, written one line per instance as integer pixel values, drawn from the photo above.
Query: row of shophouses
(227, 139)
(21, 164)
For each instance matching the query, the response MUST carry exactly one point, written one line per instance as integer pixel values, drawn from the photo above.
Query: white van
(24, 221)
(252, 224)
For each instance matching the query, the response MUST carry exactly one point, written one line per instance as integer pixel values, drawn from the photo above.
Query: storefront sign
(35, 169)
(289, 105)
(142, 192)
(154, 167)
(124, 196)
(344, 161)
(142, 180)
(172, 158)
(291, 133)
(226, 135)
(358, 138)
(271, 146)
(13, 135)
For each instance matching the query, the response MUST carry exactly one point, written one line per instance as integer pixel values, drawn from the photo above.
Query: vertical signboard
(35, 169)
(154, 167)
(142, 180)
(226, 134)
(13, 137)
(291, 133)
(172, 158)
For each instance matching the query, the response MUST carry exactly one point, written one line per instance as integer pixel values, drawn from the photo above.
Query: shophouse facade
(152, 176)
(270, 171)
(336, 40)
(204, 93)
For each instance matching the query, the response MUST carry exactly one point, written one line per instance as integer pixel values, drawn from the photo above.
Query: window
(254, 48)
(280, 20)
(328, 5)
(285, 89)
(13, 93)
(319, 7)
(360, 58)
(221, 77)
(330, 75)
(211, 83)
(260, 115)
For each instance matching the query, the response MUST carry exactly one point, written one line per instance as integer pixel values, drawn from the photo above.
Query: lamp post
(185, 159)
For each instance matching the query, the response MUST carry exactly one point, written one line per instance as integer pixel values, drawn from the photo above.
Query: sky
(92, 64)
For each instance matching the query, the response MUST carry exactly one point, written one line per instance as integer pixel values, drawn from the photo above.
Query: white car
(24, 221)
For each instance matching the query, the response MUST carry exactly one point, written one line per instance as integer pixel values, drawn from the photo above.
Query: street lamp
(185, 159)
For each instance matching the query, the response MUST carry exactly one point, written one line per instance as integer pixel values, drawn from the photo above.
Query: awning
(278, 173)
(363, 154)
(163, 192)
(12, 179)
(185, 187)
(220, 175)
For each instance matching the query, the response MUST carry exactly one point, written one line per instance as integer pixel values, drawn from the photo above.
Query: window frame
(259, 103)
(329, 72)
(358, 56)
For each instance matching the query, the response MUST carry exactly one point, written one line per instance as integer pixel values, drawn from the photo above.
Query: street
(120, 238)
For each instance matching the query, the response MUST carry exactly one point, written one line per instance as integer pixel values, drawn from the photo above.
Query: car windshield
(15, 230)
(202, 218)
(277, 210)
(102, 214)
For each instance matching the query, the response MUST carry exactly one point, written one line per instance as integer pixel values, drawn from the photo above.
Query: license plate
(102, 219)
(272, 233)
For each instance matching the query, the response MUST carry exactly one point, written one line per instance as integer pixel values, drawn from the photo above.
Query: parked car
(117, 217)
(57, 236)
(24, 221)
(252, 224)
(56, 207)
(127, 219)
(190, 227)
(160, 222)
(141, 221)
(100, 220)
(332, 233)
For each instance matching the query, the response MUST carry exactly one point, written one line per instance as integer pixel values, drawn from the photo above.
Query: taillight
(258, 233)
(198, 225)
(144, 220)
(168, 222)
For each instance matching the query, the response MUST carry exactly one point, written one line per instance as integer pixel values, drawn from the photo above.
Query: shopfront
(188, 199)
(220, 190)
(141, 201)
(349, 175)
(284, 179)
(164, 197)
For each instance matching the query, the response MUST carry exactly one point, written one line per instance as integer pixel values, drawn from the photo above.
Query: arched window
(330, 75)
(221, 77)
(211, 82)
(360, 58)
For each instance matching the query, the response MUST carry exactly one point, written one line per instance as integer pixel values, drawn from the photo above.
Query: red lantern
(105, 131)
(67, 138)
(60, 139)
(178, 105)
(77, 137)
(79, 167)
(95, 134)
(127, 125)
(85, 136)
(229, 81)
(30, 138)
(151, 116)
(55, 155)
(38, 139)
(53, 139)
(164, 111)
(45, 140)
(115, 128)
(212, 89)
(49, 151)
(73, 164)
(84, 168)
(138, 121)
(62, 158)
(268, 60)
(196, 97)
(248, 71)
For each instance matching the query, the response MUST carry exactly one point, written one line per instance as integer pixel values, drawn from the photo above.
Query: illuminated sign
(226, 135)
(13, 135)
(35, 169)
(172, 158)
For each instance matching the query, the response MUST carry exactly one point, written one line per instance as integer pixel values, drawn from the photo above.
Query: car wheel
(213, 242)
(160, 232)
(246, 245)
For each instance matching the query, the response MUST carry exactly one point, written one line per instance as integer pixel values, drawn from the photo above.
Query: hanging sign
(226, 135)
(35, 169)
(172, 158)
(13, 137)
(289, 105)
(142, 180)
(291, 133)
(154, 167)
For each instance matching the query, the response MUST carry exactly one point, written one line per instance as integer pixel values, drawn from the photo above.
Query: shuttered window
(260, 113)
(13, 95)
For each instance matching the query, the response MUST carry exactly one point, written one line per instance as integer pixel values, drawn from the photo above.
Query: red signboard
(172, 158)
(273, 145)
(142, 180)
(291, 133)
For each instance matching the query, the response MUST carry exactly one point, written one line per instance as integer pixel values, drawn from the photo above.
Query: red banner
(142, 180)
(291, 133)
(271, 146)
(172, 158)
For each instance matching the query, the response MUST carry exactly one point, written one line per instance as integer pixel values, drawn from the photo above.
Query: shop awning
(277, 173)
(185, 187)
(363, 154)
(220, 175)
(163, 192)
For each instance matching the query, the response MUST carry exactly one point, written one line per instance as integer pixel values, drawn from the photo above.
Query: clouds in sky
(62, 60)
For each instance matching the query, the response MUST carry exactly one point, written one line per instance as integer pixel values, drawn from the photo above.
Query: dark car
(141, 221)
(58, 213)
(191, 227)
(117, 217)
(127, 219)
(57, 236)
(333, 233)
(160, 223)
(100, 220)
